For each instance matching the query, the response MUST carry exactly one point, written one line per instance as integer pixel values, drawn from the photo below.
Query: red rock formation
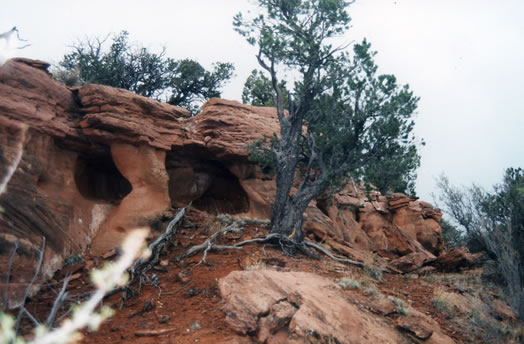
(297, 307)
(41, 199)
(458, 258)
(144, 167)
(99, 162)
(79, 148)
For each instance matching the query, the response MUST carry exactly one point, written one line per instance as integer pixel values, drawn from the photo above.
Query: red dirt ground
(190, 312)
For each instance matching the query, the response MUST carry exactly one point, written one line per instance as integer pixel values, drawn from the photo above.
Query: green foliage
(190, 83)
(263, 156)
(374, 271)
(133, 67)
(451, 235)
(394, 171)
(342, 115)
(495, 220)
(258, 90)
(363, 123)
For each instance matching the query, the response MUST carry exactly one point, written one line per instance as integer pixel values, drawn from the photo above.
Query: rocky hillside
(98, 162)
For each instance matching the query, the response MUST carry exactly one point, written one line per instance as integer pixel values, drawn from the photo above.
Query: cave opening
(323, 205)
(98, 179)
(209, 185)
(224, 195)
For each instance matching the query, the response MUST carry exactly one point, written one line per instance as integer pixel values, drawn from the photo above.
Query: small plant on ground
(224, 219)
(442, 301)
(347, 282)
(254, 222)
(430, 278)
(372, 267)
(370, 291)
(401, 306)
(73, 259)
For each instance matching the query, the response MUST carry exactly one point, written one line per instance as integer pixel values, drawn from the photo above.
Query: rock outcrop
(458, 258)
(300, 307)
(98, 162)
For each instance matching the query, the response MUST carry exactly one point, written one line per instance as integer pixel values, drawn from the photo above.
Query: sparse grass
(355, 279)
(493, 331)
(442, 301)
(371, 291)
(243, 221)
(372, 266)
(480, 322)
(213, 224)
(468, 281)
(401, 306)
(430, 278)
(224, 219)
(347, 282)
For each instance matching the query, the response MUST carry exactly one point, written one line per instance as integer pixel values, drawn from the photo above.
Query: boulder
(456, 259)
(297, 307)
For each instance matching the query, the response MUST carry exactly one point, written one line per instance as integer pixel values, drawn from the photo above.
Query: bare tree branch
(62, 296)
(330, 255)
(30, 286)
(9, 266)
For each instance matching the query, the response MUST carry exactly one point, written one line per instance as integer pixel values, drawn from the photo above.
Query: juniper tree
(341, 114)
(258, 90)
(130, 66)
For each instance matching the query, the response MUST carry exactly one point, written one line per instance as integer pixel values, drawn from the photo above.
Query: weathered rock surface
(456, 259)
(398, 228)
(144, 168)
(98, 162)
(71, 180)
(116, 115)
(37, 114)
(299, 307)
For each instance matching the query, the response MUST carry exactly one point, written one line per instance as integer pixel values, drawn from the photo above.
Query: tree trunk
(288, 210)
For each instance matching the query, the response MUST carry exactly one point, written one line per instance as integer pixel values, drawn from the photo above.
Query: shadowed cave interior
(98, 179)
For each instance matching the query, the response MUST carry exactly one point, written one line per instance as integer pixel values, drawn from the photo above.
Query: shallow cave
(98, 179)
(323, 205)
(225, 195)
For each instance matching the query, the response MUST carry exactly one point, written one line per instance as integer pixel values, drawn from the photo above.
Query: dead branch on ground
(210, 245)
(59, 301)
(332, 256)
(28, 290)
(143, 265)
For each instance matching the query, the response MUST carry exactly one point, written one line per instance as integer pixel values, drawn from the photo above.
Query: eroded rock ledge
(100, 161)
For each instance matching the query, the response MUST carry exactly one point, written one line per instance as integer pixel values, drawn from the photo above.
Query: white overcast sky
(464, 58)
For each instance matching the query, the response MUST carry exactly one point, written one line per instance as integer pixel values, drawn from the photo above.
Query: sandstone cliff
(99, 162)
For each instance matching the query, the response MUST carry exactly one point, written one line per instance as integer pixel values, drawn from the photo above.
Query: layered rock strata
(99, 162)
